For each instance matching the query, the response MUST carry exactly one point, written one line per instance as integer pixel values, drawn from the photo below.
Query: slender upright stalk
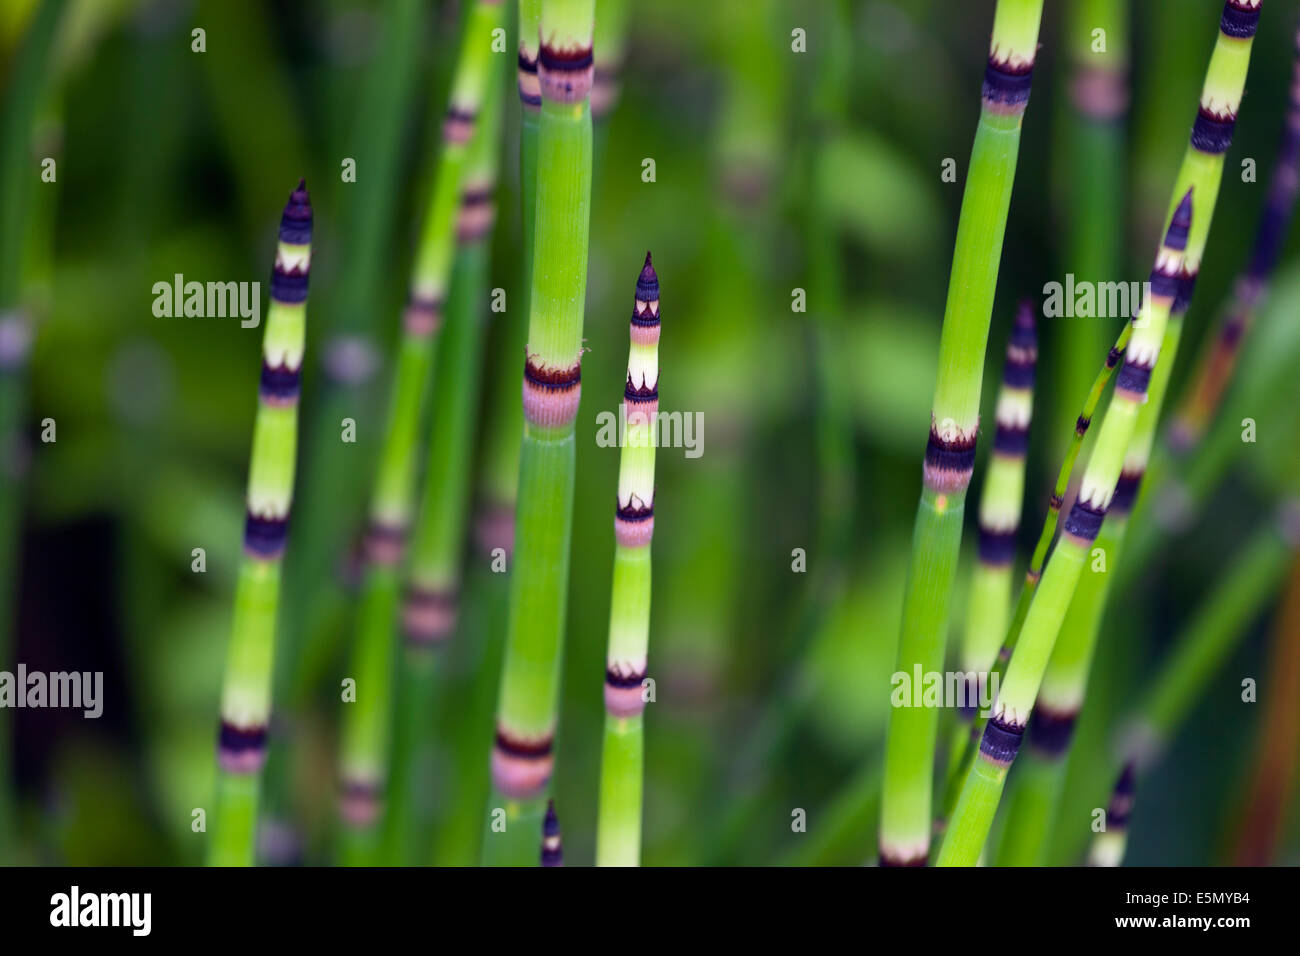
(1214, 630)
(367, 724)
(349, 360)
(618, 826)
(963, 752)
(1219, 356)
(432, 598)
(27, 76)
(1091, 138)
(1065, 681)
(954, 425)
(1218, 360)
(988, 606)
(982, 788)
(505, 415)
(523, 753)
(1202, 169)
(459, 839)
(246, 696)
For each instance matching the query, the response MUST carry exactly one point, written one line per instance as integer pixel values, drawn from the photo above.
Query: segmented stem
(246, 694)
(1000, 741)
(523, 754)
(950, 452)
(618, 827)
(367, 724)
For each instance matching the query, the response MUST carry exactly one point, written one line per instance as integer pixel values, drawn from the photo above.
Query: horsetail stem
(1219, 357)
(1202, 170)
(1092, 146)
(963, 750)
(611, 47)
(348, 359)
(982, 788)
(618, 826)
(1199, 652)
(367, 722)
(522, 755)
(989, 603)
(246, 694)
(435, 571)
(950, 451)
(505, 415)
(1065, 680)
(432, 596)
(1001, 501)
(552, 840)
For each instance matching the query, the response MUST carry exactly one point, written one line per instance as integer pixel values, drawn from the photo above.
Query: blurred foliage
(177, 162)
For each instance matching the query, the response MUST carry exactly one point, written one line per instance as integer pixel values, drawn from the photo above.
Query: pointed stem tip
(647, 283)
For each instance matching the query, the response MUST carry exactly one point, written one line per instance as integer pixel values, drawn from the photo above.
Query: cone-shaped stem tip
(647, 283)
(296, 222)
(551, 826)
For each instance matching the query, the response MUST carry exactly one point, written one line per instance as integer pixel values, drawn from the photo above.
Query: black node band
(1006, 87)
(265, 536)
(1133, 378)
(1018, 374)
(997, 547)
(1001, 741)
(1126, 490)
(289, 287)
(1212, 134)
(950, 456)
(1239, 21)
(1164, 285)
(1084, 522)
(279, 382)
(1050, 733)
(1011, 440)
(240, 740)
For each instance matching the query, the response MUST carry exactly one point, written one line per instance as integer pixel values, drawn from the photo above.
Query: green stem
(1125, 440)
(523, 754)
(431, 602)
(246, 694)
(910, 745)
(367, 724)
(1091, 146)
(982, 788)
(618, 825)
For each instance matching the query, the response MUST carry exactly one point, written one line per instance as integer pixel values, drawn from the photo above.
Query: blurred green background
(775, 171)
